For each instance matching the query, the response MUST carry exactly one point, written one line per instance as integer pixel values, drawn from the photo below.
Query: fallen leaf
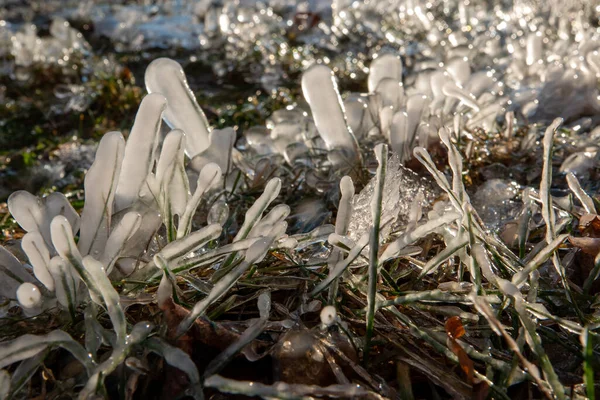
(588, 245)
(455, 330)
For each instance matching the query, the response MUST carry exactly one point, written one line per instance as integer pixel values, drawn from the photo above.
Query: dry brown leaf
(588, 245)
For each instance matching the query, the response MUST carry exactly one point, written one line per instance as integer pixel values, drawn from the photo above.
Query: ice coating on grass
(344, 214)
(140, 150)
(264, 305)
(109, 295)
(29, 212)
(12, 274)
(66, 282)
(209, 177)
(255, 253)
(29, 295)
(421, 231)
(219, 151)
(450, 89)
(170, 186)
(415, 107)
(399, 137)
(255, 212)
(320, 91)
(4, 384)
(384, 66)
(100, 186)
(166, 76)
(39, 257)
(119, 236)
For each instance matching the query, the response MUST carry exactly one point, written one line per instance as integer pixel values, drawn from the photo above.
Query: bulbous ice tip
(29, 295)
(328, 316)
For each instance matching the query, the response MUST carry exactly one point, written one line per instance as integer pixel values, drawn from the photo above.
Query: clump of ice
(496, 202)
(402, 188)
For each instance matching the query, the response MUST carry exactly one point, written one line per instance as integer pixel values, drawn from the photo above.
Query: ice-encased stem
(100, 185)
(381, 152)
(254, 254)
(320, 91)
(209, 176)
(110, 296)
(26, 346)
(166, 76)
(34, 246)
(384, 66)
(140, 150)
(342, 222)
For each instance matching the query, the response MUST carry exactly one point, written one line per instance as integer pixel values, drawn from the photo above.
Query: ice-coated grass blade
(172, 181)
(252, 217)
(450, 89)
(127, 227)
(455, 245)
(415, 107)
(139, 154)
(455, 161)
(384, 66)
(210, 256)
(588, 363)
(95, 384)
(165, 76)
(381, 153)
(209, 177)
(342, 222)
(419, 232)
(57, 204)
(341, 266)
(423, 156)
(538, 260)
(4, 384)
(27, 346)
(255, 329)
(30, 213)
(100, 186)
(321, 92)
(584, 198)
(548, 210)
(66, 284)
(34, 246)
(484, 308)
(23, 373)
(102, 284)
(254, 254)
(545, 197)
(219, 151)
(191, 242)
(179, 359)
(64, 243)
(12, 274)
(285, 391)
(399, 138)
